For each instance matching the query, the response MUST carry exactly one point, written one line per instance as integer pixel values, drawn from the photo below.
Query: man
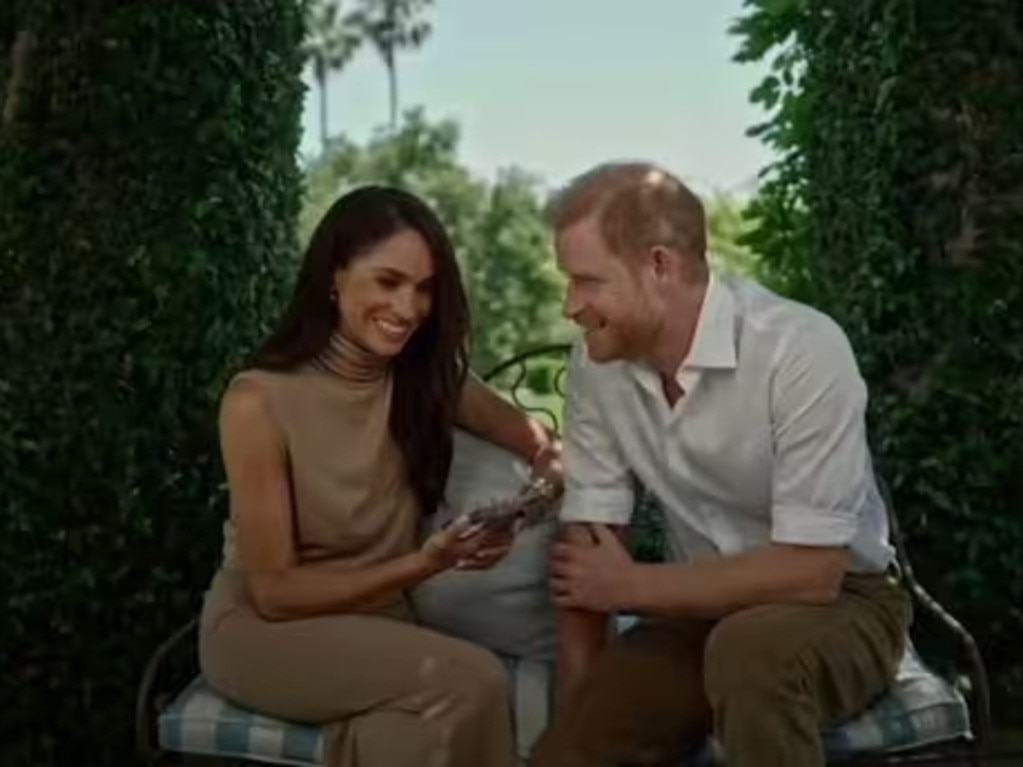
(743, 413)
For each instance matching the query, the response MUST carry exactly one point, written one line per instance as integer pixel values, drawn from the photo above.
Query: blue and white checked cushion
(921, 709)
(201, 722)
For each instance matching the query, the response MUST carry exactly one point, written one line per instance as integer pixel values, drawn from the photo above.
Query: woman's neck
(352, 361)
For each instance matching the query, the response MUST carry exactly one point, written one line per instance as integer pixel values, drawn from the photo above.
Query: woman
(336, 441)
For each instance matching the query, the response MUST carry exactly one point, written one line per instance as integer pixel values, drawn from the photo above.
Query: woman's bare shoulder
(245, 406)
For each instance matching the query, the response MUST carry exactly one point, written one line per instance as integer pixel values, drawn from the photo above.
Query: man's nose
(571, 306)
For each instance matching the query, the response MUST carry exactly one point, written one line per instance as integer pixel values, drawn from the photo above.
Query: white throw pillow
(506, 608)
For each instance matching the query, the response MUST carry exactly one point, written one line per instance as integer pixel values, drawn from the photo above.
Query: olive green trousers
(764, 681)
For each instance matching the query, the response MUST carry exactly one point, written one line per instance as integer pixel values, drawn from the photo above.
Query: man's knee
(747, 658)
(759, 680)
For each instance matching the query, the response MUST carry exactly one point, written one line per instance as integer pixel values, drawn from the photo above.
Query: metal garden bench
(925, 719)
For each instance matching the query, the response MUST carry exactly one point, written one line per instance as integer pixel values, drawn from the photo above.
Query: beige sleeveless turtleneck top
(351, 504)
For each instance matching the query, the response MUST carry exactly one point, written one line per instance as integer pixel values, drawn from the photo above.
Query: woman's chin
(388, 347)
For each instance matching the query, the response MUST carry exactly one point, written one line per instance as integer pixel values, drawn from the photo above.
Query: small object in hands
(525, 509)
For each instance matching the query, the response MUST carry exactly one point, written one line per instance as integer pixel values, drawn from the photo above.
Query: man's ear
(663, 261)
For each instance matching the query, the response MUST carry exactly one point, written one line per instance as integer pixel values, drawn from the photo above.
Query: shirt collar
(713, 344)
(714, 339)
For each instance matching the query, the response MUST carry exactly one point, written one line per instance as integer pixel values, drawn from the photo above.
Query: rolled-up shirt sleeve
(821, 460)
(598, 483)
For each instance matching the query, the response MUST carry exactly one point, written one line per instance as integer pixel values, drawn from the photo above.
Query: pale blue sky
(555, 86)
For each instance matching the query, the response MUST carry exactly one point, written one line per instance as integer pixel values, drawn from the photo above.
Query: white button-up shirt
(767, 443)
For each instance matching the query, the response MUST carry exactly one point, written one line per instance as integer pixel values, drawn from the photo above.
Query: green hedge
(897, 206)
(149, 190)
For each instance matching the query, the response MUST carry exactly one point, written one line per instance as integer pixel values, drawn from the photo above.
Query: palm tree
(390, 26)
(331, 42)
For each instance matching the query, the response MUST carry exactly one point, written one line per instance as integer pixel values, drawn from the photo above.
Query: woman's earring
(333, 295)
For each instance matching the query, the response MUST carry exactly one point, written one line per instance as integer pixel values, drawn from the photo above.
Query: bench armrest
(156, 689)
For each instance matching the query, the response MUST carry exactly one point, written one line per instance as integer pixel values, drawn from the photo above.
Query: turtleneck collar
(350, 361)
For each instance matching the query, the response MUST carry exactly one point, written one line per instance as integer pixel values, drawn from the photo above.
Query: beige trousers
(393, 693)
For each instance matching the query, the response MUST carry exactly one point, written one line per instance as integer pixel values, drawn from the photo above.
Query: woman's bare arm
(281, 588)
(483, 412)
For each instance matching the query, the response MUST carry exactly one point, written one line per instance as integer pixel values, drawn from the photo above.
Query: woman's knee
(487, 675)
(471, 673)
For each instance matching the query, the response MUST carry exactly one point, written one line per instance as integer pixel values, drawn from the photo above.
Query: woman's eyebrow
(391, 271)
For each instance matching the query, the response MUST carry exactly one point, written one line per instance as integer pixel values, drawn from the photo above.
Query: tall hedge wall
(897, 206)
(148, 189)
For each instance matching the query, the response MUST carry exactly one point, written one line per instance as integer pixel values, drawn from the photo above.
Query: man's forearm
(582, 634)
(717, 587)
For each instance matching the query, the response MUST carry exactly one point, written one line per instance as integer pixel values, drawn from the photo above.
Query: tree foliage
(728, 227)
(149, 196)
(498, 229)
(897, 206)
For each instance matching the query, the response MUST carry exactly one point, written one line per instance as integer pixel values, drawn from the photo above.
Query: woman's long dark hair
(430, 371)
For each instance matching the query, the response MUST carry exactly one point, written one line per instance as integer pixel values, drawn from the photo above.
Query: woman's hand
(465, 546)
(493, 548)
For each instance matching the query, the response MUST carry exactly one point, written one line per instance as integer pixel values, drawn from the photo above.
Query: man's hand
(597, 576)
